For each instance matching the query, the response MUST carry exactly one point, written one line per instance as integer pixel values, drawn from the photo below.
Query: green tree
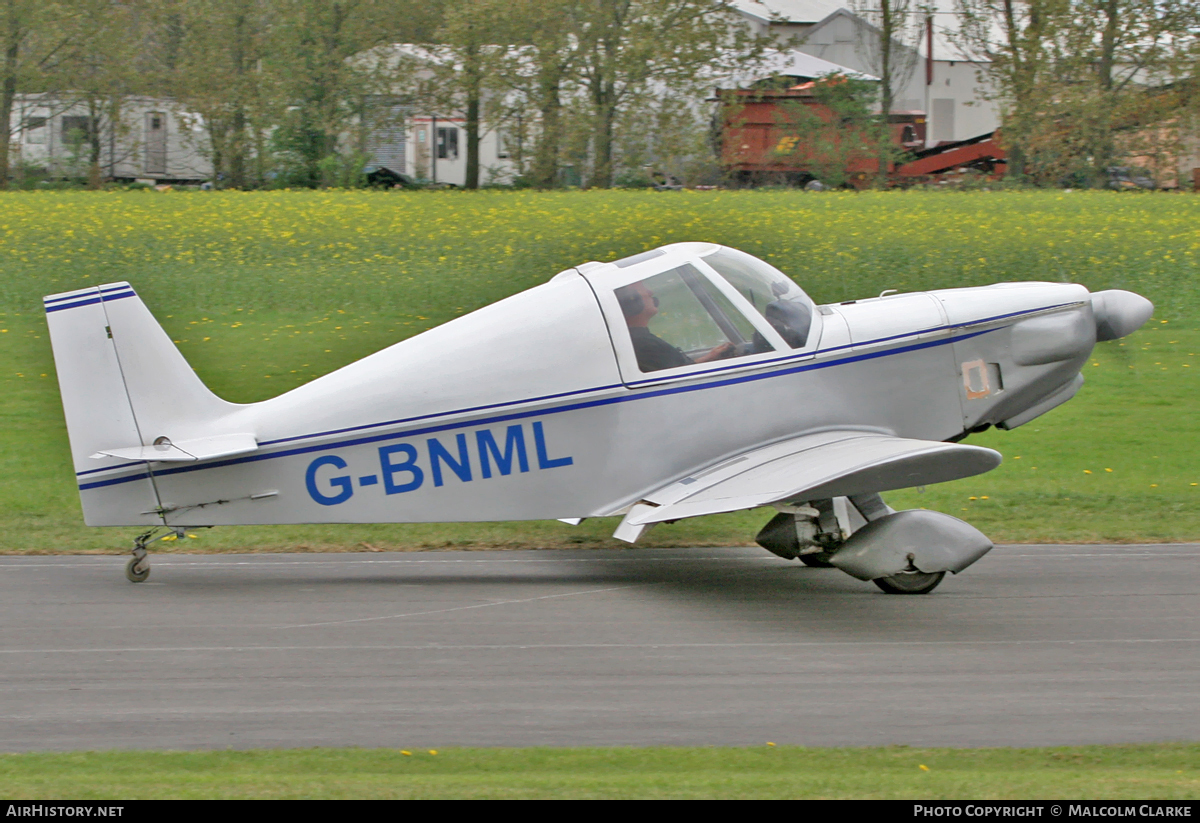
(666, 137)
(889, 48)
(465, 67)
(1115, 62)
(98, 74)
(323, 83)
(35, 38)
(1018, 39)
(628, 45)
(212, 61)
(538, 70)
(1079, 79)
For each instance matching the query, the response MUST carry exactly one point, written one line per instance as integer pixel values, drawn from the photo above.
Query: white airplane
(687, 380)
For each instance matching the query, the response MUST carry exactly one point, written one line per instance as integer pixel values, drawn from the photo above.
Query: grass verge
(1165, 771)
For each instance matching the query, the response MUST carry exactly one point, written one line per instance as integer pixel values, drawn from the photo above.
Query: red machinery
(980, 153)
(788, 135)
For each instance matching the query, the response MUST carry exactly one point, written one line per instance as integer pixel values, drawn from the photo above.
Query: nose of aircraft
(1119, 313)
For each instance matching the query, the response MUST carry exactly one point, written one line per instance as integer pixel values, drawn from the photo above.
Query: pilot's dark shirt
(654, 353)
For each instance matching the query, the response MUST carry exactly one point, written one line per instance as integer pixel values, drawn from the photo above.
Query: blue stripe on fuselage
(787, 358)
(525, 415)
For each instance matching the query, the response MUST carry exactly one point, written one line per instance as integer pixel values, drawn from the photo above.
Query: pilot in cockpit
(640, 305)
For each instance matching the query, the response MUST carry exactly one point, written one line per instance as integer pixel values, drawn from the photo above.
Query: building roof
(788, 11)
(786, 62)
(818, 13)
(805, 65)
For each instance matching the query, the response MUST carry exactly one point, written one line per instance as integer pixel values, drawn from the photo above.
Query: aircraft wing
(810, 467)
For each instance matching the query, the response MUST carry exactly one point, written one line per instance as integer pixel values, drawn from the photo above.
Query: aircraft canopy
(695, 303)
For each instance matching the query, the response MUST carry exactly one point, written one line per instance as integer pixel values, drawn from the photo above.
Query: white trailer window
(447, 143)
(35, 130)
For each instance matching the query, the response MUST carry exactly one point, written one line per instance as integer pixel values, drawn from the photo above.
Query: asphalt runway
(1034, 645)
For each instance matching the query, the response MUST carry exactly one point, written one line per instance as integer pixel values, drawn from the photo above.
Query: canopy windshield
(780, 301)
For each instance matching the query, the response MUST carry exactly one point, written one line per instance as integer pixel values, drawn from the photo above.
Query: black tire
(816, 561)
(135, 572)
(910, 582)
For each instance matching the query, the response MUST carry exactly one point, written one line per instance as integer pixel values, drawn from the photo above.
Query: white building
(433, 148)
(944, 83)
(420, 141)
(151, 140)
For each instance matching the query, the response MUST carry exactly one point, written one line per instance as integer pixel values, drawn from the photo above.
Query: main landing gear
(138, 567)
(907, 552)
(910, 582)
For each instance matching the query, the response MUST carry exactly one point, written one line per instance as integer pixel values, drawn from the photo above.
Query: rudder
(123, 385)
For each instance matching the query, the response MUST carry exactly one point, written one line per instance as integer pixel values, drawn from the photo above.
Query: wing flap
(186, 451)
(812, 467)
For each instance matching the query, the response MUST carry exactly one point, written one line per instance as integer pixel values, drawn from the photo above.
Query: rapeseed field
(441, 253)
(266, 290)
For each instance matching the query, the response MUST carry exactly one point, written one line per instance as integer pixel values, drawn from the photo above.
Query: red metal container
(789, 136)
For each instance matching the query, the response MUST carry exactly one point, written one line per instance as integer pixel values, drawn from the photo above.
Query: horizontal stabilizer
(204, 448)
(811, 467)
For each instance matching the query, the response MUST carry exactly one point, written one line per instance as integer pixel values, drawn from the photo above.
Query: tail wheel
(910, 582)
(137, 569)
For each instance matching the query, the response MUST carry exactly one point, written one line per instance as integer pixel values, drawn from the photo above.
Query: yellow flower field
(439, 251)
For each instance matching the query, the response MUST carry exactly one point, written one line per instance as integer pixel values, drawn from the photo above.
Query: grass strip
(1164, 771)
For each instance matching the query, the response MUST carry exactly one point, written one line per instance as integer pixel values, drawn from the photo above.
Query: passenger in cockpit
(639, 305)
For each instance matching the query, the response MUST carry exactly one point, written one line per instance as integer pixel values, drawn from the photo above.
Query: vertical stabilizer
(94, 399)
(123, 385)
